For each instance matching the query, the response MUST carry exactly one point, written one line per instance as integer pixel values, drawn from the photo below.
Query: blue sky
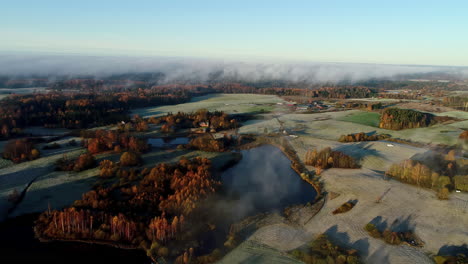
(393, 32)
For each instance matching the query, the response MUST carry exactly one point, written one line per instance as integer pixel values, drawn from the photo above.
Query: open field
(229, 103)
(5, 163)
(364, 118)
(424, 107)
(403, 205)
(436, 222)
(456, 114)
(330, 126)
(21, 175)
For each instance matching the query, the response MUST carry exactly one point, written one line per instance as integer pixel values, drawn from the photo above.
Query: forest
(202, 118)
(358, 137)
(208, 143)
(457, 102)
(20, 150)
(77, 110)
(328, 158)
(397, 119)
(437, 172)
(151, 210)
(360, 105)
(97, 141)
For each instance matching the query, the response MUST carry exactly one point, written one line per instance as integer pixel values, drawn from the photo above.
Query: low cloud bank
(191, 69)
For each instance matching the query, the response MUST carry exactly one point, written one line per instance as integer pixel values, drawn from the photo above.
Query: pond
(263, 181)
(168, 142)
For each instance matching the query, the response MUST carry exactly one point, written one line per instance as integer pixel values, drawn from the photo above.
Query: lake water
(168, 142)
(263, 181)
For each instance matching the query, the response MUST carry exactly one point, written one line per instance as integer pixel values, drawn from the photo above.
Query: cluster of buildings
(314, 106)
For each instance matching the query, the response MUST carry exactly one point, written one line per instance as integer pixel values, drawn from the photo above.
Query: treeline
(282, 89)
(423, 86)
(20, 150)
(404, 95)
(360, 105)
(457, 102)
(324, 92)
(77, 110)
(138, 124)
(83, 162)
(358, 137)
(209, 143)
(97, 141)
(344, 92)
(153, 208)
(202, 118)
(328, 158)
(322, 250)
(392, 237)
(436, 172)
(397, 119)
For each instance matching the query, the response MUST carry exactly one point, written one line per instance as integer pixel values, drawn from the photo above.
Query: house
(204, 124)
(199, 130)
(302, 108)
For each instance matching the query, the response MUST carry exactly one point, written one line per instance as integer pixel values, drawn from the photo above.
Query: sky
(360, 31)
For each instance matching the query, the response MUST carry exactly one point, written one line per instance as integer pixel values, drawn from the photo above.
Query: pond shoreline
(296, 163)
(217, 172)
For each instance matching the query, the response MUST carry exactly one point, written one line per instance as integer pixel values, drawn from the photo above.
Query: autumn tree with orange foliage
(154, 207)
(201, 118)
(327, 158)
(20, 150)
(108, 140)
(130, 159)
(83, 162)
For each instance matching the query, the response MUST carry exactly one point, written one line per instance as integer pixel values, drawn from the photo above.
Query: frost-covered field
(43, 131)
(5, 163)
(330, 126)
(230, 103)
(59, 189)
(20, 175)
(456, 114)
(5, 92)
(437, 222)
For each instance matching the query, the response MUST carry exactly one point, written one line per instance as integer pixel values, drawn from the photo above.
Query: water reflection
(264, 180)
(168, 142)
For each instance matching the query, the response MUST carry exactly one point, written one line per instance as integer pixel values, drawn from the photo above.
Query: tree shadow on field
(379, 223)
(359, 150)
(342, 239)
(379, 256)
(403, 224)
(452, 250)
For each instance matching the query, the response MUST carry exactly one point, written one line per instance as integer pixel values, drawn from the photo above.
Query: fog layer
(201, 70)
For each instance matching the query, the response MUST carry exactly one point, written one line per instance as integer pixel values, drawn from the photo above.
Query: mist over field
(172, 69)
